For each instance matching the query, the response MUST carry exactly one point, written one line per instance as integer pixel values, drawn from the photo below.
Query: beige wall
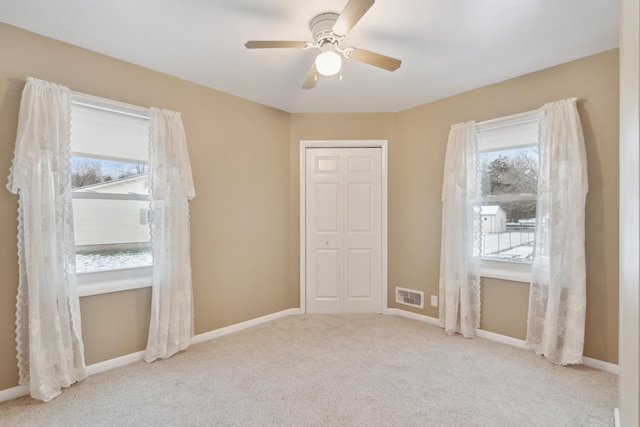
(240, 158)
(417, 144)
(244, 220)
(415, 218)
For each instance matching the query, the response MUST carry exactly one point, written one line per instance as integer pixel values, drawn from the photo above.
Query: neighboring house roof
(490, 210)
(137, 184)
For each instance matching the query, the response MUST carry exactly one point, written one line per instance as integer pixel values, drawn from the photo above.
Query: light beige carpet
(334, 370)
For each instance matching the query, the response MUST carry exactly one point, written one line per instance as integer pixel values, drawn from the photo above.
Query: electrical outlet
(434, 300)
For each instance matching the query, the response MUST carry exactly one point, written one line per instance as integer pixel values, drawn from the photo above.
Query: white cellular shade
(108, 134)
(518, 130)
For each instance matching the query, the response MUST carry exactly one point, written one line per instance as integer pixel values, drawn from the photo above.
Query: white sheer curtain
(557, 301)
(171, 326)
(459, 259)
(48, 332)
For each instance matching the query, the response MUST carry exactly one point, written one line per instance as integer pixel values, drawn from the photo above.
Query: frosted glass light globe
(328, 63)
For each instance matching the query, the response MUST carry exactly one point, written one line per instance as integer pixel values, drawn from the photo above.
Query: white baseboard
(117, 362)
(13, 393)
(515, 342)
(243, 325)
(96, 368)
(414, 316)
(612, 368)
(502, 339)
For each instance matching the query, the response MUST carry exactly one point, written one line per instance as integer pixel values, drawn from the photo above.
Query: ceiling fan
(329, 29)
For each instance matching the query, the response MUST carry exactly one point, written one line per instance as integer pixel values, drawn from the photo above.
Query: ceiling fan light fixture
(329, 30)
(328, 63)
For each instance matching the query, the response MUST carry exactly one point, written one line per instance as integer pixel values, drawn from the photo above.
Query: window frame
(120, 279)
(115, 280)
(507, 270)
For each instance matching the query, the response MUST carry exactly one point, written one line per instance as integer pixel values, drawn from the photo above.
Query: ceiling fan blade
(311, 79)
(351, 14)
(375, 59)
(266, 44)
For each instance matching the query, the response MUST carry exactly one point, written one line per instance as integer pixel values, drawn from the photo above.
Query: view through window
(109, 174)
(508, 212)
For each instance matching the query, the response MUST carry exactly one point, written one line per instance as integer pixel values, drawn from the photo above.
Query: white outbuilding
(494, 219)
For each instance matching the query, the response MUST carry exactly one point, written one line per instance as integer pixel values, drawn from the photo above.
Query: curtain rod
(106, 104)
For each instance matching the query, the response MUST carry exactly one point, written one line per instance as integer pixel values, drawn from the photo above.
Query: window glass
(109, 176)
(510, 171)
(508, 213)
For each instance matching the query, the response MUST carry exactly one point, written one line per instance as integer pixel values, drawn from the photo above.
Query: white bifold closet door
(343, 230)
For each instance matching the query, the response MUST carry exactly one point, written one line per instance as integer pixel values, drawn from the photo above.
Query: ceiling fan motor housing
(321, 28)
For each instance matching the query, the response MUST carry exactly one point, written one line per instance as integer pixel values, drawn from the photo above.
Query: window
(508, 162)
(110, 181)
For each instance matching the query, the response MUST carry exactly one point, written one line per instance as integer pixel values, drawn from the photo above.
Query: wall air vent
(410, 297)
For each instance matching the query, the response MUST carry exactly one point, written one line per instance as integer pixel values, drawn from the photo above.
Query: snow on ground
(508, 246)
(109, 260)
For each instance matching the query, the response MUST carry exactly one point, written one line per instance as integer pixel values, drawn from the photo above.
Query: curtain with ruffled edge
(48, 330)
(459, 260)
(557, 301)
(171, 326)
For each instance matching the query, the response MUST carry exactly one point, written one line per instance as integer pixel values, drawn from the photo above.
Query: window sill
(512, 271)
(104, 282)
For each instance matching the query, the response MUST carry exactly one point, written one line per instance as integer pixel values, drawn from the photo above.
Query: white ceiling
(446, 46)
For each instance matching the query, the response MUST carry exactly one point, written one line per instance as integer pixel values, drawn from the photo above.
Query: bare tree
(86, 172)
(526, 167)
(513, 175)
(132, 169)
